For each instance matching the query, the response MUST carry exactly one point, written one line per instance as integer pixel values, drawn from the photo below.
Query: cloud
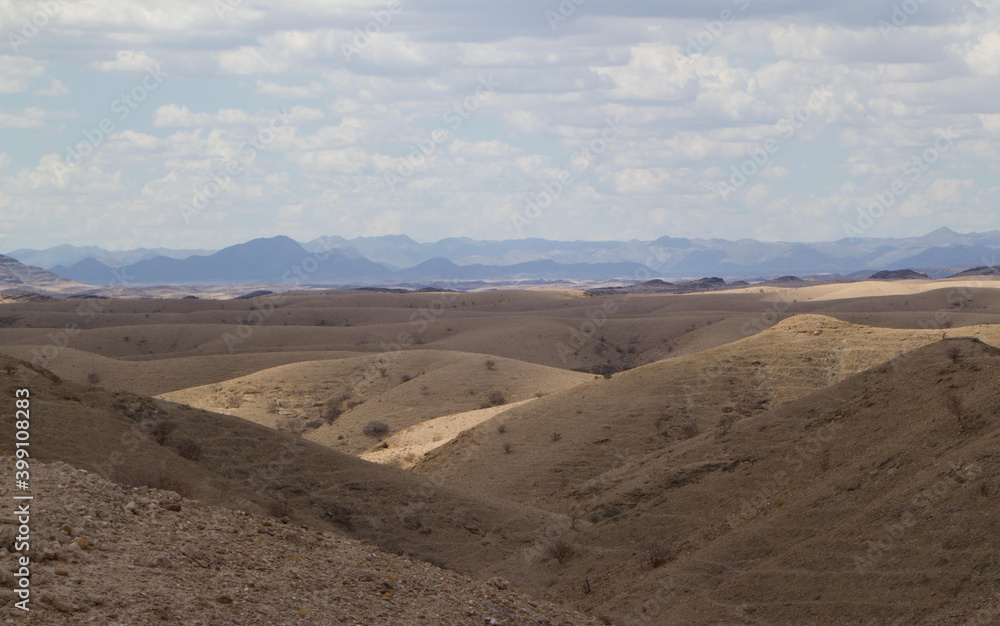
(312, 90)
(55, 89)
(127, 61)
(16, 73)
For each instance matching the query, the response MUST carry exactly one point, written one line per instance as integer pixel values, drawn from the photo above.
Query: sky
(204, 123)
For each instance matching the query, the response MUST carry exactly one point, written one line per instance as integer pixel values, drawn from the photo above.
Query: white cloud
(16, 73)
(55, 89)
(127, 61)
(312, 90)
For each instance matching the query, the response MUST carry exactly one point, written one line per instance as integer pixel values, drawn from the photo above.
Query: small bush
(508, 447)
(954, 353)
(656, 554)
(188, 448)
(315, 423)
(405, 378)
(280, 508)
(556, 436)
(501, 428)
(93, 378)
(376, 429)
(491, 364)
(160, 431)
(725, 423)
(496, 398)
(559, 550)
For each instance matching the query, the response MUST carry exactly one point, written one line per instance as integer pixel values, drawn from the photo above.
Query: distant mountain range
(397, 259)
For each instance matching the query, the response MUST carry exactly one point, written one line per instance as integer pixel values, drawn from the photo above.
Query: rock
(7, 535)
(224, 599)
(82, 542)
(151, 560)
(59, 605)
(131, 506)
(61, 571)
(172, 506)
(498, 583)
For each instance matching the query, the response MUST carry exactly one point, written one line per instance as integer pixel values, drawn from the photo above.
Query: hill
(331, 402)
(225, 460)
(867, 500)
(16, 277)
(149, 556)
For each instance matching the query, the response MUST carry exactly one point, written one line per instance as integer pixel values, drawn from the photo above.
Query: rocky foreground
(104, 554)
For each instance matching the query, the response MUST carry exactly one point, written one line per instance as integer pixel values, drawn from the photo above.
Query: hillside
(149, 556)
(332, 401)
(602, 423)
(868, 500)
(226, 460)
(16, 277)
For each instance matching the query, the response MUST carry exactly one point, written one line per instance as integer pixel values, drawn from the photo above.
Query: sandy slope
(400, 389)
(404, 449)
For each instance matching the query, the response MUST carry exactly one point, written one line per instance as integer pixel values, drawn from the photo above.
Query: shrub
(160, 431)
(656, 554)
(559, 550)
(508, 447)
(491, 364)
(93, 378)
(405, 378)
(725, 423)
(556, 436)
(501, 428)
(188, 448)
(954, 353)
(314, 423)
(280, 508)
(496, 398)
(376, 429)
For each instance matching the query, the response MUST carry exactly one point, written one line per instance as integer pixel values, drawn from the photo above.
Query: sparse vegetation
(725, 423)
(496, 398)
(376, 430)
(8, 321)
(953, 405)
(954, 354)
(556, 436)
(491, 364)
(93, 378)
(508, 447)
(655, 554)
(560, 550)
(280, 508)
(160, 431)
(188, 448)
(501, 428)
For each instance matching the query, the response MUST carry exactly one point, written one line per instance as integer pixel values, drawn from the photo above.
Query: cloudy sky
(203, 123)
